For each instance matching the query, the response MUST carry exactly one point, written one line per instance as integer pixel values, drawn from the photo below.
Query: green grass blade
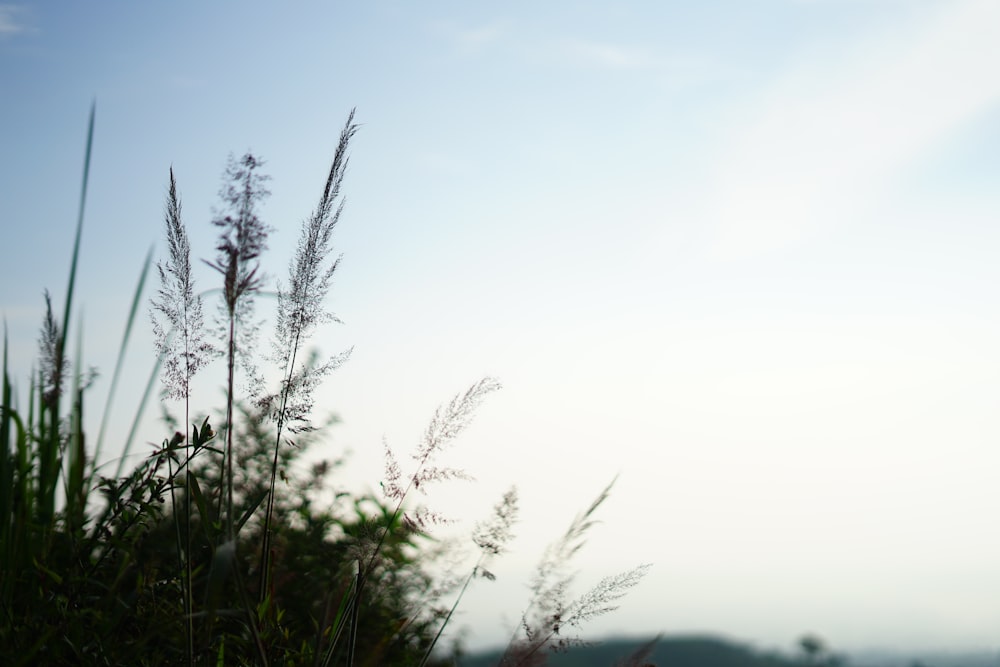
(136, 300)
(49, 438)
(199, 500)
(73, 475)
(340, 621)
(250, 510)
(79, 222)
(150, 383)
(7, 466)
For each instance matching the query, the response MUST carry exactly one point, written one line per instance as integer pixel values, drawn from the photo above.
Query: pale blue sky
(742, 253)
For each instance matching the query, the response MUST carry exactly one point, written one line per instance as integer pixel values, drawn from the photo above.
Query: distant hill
(707, 651)
(925, 659)
(668, 652)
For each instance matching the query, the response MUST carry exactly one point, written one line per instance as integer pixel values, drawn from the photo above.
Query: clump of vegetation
(210, 551)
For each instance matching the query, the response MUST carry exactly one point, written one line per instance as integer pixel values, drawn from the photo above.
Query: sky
(740, 254)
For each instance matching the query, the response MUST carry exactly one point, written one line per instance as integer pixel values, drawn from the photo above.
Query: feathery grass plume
(491, 537)
(242, 240)
(53, 363)
(446, 425)
(300, 309)
(178, 327)
(448, 422)
(550, 610)
(244, 235)
(53, 368)
(178, 321)
(300, 304)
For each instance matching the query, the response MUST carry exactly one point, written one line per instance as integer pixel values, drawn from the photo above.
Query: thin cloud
(605, 54)
(482, 35)
(829, 135)
(473, 38)
(519, 42)
(678, 70)
(10, 20)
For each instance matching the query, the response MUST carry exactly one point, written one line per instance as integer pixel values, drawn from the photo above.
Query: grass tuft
(212, 549)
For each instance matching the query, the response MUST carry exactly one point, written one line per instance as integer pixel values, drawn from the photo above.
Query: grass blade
(136, 300)
(79, 220)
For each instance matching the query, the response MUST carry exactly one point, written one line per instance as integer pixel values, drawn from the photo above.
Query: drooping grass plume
(492, 538)
(447, 424)
(550, 611)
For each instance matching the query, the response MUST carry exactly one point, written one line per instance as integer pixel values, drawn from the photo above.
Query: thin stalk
(188, 572)
(444, 624)
(300, 309)
(352, 638)
(228, 456)
(265, 571)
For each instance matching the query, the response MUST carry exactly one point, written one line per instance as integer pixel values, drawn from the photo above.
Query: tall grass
(209, 551)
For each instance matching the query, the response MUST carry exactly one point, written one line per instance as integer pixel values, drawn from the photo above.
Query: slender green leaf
(79, 221)
(119, 363)
(250, 510)
(199, 501)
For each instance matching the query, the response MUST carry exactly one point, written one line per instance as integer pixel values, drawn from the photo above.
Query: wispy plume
(180, 340)
(176, 310)
(242, 239)
(447, 424)
(491, 537)
(54, 364)
(450, 420)
(300, 309)
(551, 611)
(301, 301)
(243, 235)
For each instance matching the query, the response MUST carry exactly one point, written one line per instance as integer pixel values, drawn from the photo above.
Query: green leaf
(199, 501)
(250, 510)
(49, 573)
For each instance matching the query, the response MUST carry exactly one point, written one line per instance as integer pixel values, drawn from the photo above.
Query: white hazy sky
(743, 254)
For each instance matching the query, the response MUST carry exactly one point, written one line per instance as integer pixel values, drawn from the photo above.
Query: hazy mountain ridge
(710, 651)
(925, 658)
